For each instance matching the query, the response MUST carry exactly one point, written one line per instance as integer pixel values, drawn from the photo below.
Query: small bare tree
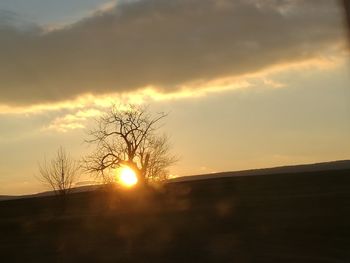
(128, 137)
(60, 173)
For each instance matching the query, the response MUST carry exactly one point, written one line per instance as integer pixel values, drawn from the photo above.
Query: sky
(247, 84)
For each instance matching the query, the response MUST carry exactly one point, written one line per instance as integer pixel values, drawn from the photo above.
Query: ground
(297, 217)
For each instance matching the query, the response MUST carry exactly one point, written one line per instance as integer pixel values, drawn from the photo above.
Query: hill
(324, 166)
(281, 217)
(78, 189)
(301, 168)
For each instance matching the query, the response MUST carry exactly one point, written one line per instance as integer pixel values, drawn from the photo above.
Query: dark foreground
(270, 218)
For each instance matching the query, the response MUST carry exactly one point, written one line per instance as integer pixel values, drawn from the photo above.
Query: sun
(127, 177)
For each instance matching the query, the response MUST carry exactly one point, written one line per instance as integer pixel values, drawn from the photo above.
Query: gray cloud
(160, 43)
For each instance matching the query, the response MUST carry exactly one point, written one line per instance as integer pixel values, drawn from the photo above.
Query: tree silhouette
(60, 173)
(128, 137)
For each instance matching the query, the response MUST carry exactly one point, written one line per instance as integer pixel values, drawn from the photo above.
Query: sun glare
(127, 177)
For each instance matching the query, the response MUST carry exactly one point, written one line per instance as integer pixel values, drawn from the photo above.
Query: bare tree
(60, 173)
(128, 137)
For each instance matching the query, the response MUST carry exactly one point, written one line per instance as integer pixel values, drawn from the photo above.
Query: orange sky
(251, 84)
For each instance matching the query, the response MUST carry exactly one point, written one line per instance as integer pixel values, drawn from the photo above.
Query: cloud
(196, 89)
(72, 121)
(160, 44)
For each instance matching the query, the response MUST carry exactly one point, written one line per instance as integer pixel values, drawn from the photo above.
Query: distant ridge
(85, 188)
(301, 168)
(324, 166)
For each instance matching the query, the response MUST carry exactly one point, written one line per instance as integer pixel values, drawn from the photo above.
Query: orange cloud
(171, 47)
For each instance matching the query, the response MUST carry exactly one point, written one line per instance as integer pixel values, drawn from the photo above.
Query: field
(296, 217)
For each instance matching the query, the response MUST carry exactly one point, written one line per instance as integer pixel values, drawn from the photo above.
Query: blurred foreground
(296, 217)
